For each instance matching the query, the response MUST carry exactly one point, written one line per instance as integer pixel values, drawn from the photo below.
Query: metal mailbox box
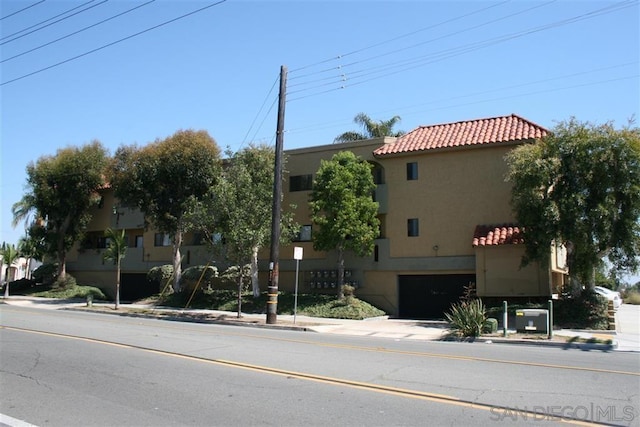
(532, 320)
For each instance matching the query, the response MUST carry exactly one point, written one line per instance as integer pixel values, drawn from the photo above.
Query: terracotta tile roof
(467, 133)
(494, 235)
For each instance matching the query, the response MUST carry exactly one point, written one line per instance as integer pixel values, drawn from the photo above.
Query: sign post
(297, 255)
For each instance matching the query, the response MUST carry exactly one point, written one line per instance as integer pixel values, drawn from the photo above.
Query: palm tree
(9, 255)
(116, 250)
(372, 129)
(29, 248)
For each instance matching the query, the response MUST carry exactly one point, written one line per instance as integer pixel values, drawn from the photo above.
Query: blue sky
(136, 78)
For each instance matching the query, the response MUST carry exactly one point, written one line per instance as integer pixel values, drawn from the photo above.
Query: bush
(490, 326)
(160, 276)
(199, 273)
(467, 318)
(21, 285)
(68, 282)
(46, 273)
(633, 298)
(588, 310)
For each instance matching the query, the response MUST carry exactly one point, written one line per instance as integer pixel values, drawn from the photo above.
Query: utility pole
(272, 286)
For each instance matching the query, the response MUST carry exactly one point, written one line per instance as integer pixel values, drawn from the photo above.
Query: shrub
(490, 326)
(46, 273)
(68, 282)
(587, 310)
(467, 318)
(633, 298)
(199, 273)
(161, 275)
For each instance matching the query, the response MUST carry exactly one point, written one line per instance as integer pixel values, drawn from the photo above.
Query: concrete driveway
(628, 327)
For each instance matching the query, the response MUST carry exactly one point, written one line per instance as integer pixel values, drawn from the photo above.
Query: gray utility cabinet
(532, 320)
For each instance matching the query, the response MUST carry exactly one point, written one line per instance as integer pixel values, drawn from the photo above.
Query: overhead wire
(411, 63)
(78, 31)
(113, 43)
(448, 21)
(22, 10)
(334, 124)
(275, 82)
(51, 23)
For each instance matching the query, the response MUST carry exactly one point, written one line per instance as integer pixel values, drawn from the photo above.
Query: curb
(539, 343)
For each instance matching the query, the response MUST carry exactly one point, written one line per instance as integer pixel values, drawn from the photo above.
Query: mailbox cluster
(328, 279)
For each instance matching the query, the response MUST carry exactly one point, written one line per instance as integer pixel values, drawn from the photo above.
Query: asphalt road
(63, 368)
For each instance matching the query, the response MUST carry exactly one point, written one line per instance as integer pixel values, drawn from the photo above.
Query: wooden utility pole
(272, 286)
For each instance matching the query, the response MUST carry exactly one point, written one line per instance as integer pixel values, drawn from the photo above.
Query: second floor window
(412, 171)
(300, 182)
(161, 239)
(413, 228)
(304, 235)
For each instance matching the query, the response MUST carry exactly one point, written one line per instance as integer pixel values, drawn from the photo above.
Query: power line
(50, 23)
(22, 10)
(397, 38)
(411, 63)
(330, 125)
(260, 110)
(77, 32)
(112, 43)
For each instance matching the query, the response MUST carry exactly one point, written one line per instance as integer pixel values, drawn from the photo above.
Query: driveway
(628, 327)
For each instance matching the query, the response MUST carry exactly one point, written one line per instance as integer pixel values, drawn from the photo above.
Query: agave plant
(467, 318)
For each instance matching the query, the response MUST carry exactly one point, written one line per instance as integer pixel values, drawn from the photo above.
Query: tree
(580, 186)
(342, 207)
(31, 249)
(165, 180)
(239, 208)
(116, 250)
(9, 255)
(372, 129)
(62, 189)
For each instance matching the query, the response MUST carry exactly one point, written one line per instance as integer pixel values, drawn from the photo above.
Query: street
(64, 368)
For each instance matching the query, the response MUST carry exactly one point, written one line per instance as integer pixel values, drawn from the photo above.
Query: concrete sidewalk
(626, 338)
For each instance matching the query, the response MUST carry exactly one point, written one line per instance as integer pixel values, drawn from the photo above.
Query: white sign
(297, 253)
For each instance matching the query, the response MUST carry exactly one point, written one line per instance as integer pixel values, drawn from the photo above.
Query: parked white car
(609, 295)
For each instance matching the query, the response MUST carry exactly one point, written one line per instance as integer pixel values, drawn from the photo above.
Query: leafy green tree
(342, 207)
(239, 208)
(9, 255)
(165, 180)
(61, 190)
(580, 186)
(31, 249)
(116, 250)
(372, 129)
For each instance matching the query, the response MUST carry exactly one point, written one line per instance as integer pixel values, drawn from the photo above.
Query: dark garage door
(134, 286)
(430, 296)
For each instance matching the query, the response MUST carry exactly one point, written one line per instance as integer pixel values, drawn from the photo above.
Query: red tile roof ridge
(495, 235)
(482, 131)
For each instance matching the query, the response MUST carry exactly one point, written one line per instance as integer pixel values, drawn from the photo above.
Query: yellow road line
(399, 392)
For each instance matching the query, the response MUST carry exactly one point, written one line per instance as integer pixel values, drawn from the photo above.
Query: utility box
(532, 320)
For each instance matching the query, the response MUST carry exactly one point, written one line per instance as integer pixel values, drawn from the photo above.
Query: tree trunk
(118, 284)
(6, 280)
(255, 284)
(177, 262)
(340, 273)
(240, 294)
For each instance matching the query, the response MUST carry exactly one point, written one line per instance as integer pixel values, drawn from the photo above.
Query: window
(412, 171)
(102, 242)
(139, 241)
(161, 239)
(304, 235)
(413, 227)
(300, 182)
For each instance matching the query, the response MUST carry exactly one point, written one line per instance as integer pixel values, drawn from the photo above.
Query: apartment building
(445, 214)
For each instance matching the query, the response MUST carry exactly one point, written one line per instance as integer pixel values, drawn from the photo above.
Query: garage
(430, 296)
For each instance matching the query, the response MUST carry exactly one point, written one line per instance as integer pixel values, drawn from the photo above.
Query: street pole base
(272, 318)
